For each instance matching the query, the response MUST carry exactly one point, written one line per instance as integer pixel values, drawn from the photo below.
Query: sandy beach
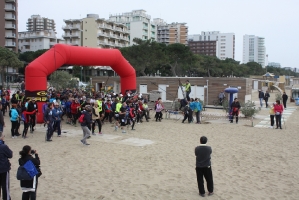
(157, 161)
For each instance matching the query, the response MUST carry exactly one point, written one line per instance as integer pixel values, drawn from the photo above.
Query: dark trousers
(94, 124)
(29, 195)
(266, 101)
(26, 125)
(197, 114)
(205, 172)
(158, 116)
(145, 114)
(14, 128)
(133, 123)
(233, 114)
(57, 127)
(108, 116)
(272, 120)
(284, 103)
(4, 184)
(74, 118)
(50, 130)
(32, 121)
(187, 95)
(278, 121)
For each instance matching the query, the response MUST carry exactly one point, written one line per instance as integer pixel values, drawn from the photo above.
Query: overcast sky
(275, 20)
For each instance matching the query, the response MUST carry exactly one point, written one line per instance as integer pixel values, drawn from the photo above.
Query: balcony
(10, 17)
(77, 27)
(75, 43)
(10, 26)
(67, 35)
(102, 34)
(24, 43)
(10, 44)
(12, 35)
(9, 7)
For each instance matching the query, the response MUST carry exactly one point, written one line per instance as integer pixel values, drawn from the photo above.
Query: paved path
(265, 123)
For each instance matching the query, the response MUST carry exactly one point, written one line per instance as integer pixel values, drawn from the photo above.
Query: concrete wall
(215, 85)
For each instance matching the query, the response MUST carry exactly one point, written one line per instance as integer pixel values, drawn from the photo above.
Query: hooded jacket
(5, 154)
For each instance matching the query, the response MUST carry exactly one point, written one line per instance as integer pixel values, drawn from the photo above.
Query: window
(222, 40)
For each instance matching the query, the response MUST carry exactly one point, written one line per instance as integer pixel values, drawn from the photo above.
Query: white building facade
(225, 45)
(36, 40)
(93, 31)
(254, 49)
(138, 23)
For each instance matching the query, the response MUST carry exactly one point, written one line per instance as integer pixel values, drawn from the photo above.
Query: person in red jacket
(132, 115)
(26, 119)
(278, 110)
(75, 111)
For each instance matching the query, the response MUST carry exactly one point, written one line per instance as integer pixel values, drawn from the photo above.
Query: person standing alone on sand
(203, 167)
(278, 109)
(284, 99)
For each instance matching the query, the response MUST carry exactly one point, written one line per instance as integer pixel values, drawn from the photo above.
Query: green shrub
(248, 109)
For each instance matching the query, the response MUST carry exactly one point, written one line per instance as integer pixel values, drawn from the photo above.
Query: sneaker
(12, 137)
(86, 144)
(88, 137)
(210, 193)
(123, 131)
(58, 135)
(82, 142)
(93, 134)
(115, 128)
(100, 133)
(49, 140)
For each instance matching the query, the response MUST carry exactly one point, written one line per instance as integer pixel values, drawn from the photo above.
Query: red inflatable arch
(37, 71)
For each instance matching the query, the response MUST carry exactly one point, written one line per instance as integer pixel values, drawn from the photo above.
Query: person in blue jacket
(5, 155)
(57, 113)
(14, 117)
(196, 107)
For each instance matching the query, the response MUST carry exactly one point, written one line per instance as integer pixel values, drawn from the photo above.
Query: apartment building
(208, 48)
(36, 40)
(213, 43)
(171, 33)
(93, 31)
(254, 49)
(9, 24)
(38, 23)
(138, 23)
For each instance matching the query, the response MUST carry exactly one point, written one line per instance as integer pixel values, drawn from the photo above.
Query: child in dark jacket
(87, 122)
(187, 114)
(26, 119)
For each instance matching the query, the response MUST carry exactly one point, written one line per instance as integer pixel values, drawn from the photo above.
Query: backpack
(81, 118)
(10, 113)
